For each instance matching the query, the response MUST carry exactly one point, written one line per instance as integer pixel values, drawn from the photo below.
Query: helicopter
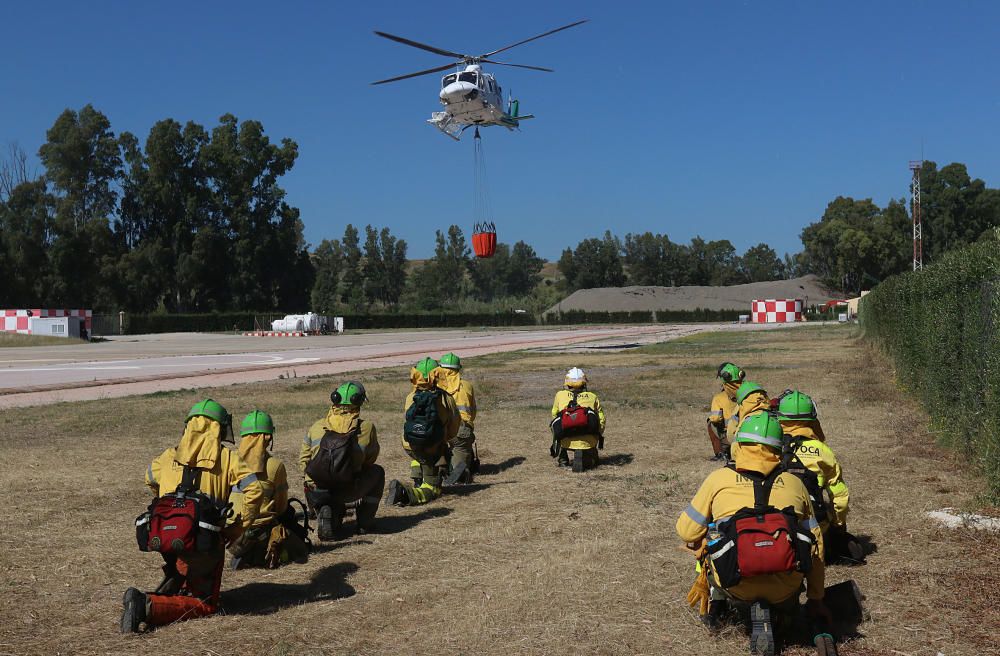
(471, 96)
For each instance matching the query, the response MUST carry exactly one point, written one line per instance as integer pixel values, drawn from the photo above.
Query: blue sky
(729, 120)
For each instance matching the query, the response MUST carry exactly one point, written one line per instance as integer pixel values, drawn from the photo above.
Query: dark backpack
(575, 420)
(761, 540)
(422, 427)
(793, 465)
(333, 464)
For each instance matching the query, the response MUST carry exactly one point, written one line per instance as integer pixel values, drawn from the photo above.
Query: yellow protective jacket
(723, 413)
(271, 475)
(447, 410)
(725, 492)
(820, 459)
(222, 470)
(753, 403)
(461, 391)
(587, 400)
(341, 419)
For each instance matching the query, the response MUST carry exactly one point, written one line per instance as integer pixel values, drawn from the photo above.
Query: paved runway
(143, 364)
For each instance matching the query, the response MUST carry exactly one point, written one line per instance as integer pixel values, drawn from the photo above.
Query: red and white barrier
(276, 333)
(781, 310)
(16, 321)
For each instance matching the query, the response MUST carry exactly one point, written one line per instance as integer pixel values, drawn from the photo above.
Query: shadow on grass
(617, 460)
(472, 488)
(327, 584)
(343, 539)
(400, 523)
(492, 470)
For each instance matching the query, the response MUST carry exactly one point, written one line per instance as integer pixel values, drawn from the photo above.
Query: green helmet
(426, 366)
(760, 428)
(796, 406)
(451, 361)
(746, 389)
(730, 373)
(350, 393)
(257, 422)
(212, 410)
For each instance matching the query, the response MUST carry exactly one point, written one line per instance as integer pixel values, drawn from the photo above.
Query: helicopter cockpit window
(467, 77)
(448, 79)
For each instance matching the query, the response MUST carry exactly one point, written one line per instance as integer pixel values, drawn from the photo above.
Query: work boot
(563, 459)
(397, 494)
(133, 611)
(713, 618)
(855, 550)
(825, 645)
(717, 457)
(326, 523)
(761, 630)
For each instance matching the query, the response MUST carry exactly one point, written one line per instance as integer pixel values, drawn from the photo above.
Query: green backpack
(422, 427)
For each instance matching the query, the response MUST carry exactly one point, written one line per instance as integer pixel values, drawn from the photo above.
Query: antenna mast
(918, 234)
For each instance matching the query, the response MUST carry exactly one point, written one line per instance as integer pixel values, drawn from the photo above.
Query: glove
(698, 596)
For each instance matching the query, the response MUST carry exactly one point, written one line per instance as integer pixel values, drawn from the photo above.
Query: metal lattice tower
(918, 233)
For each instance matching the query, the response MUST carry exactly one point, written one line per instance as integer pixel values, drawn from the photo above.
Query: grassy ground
(13, 339)
(531, 559)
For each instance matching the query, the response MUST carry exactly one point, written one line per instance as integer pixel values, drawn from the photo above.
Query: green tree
(26, 226)
(384, 268)
(82, 163)
(594, 263)
(523, 271)
(327, 258)
(352, 280)
(760, 263)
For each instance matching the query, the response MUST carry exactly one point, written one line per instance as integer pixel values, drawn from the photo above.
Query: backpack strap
(761, 484)
(189, 480)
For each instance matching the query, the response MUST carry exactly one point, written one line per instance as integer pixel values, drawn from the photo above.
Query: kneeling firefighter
(751, 398)
(722, 414)
(464, 463)
(431, 422)
(577, 423)
(809, 457)
(752, 529)
(275, 538)
(338, 462)
(191, 519)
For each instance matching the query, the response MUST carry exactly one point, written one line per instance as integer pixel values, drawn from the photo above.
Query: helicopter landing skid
(447, 124)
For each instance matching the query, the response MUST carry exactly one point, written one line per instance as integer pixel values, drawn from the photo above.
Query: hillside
(734, 297)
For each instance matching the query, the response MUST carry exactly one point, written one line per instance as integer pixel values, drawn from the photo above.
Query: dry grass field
(531, 559)
(13, 339)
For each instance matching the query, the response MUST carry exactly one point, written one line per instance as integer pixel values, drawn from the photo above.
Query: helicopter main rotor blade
(534, 68)
(418, 73)
(558, 29)
(422, 46)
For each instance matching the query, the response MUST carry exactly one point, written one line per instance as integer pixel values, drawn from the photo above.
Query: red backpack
(183, 521)
(575, 420)
(761, 540)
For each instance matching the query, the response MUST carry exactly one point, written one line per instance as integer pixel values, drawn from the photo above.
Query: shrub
(941, 328)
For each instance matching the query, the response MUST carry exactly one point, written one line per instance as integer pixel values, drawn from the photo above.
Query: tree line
(653, 259)
(194, 220)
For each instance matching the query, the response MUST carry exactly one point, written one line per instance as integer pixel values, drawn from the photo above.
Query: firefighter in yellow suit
(268, 543)
(721, 495)
(800, 422)
(191, 583)
(722, 415)
(585, 446)
(431, 457)
(365, 490)
(450, 380)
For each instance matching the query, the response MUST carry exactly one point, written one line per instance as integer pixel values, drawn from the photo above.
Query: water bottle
(714, 535)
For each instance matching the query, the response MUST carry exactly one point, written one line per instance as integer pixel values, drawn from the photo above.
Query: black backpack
(422, 427)
(333, 464)
(793, 465)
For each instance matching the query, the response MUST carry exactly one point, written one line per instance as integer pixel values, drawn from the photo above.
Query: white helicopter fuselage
(471, 97)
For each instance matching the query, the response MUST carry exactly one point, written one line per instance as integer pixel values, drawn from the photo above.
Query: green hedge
(941, 327)
(438, 320)
(136, 324)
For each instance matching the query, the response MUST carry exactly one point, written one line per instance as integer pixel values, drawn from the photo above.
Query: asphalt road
(144, 364)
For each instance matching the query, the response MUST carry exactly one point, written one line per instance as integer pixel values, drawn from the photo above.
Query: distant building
(43, 322)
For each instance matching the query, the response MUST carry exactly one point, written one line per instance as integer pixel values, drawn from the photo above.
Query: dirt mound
(733, 297)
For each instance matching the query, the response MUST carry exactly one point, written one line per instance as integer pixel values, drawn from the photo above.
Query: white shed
(55, 326)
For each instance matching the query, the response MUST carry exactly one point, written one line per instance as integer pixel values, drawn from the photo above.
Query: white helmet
(576, 377)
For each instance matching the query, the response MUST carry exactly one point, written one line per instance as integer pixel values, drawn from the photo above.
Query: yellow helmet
(576, 378)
